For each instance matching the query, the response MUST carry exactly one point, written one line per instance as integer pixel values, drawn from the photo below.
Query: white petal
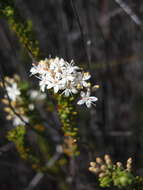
(67, 92)
(88, 103)
(82, 94)
(42, 87)
(88, 93)
(76, 68)
(93, 98)
(49, 85)
(80, 102)
(86, 84)
(70, 77)
(56, 89)
(74, 91)
(33, 71)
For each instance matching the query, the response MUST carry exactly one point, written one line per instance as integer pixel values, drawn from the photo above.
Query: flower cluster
(12, 97)
(64, 77)
(111, 174)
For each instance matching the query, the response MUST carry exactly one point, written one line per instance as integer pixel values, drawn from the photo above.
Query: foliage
(17, 136)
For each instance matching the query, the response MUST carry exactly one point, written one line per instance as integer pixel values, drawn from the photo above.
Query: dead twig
(129, 11)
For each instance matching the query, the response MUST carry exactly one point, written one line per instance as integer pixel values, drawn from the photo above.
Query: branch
(129, 11)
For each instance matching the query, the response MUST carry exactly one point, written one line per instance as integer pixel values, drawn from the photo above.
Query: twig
(129, 11)
(81, 31)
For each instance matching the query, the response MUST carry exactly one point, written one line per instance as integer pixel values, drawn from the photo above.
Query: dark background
(101, 37)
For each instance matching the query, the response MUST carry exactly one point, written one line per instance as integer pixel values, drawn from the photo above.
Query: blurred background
(106, 38)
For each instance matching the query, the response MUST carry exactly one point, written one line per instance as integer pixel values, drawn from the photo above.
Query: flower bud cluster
(65, 78)
(111, 174)
(101, 166)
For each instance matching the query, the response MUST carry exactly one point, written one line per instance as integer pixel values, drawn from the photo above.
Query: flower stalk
(68, 118)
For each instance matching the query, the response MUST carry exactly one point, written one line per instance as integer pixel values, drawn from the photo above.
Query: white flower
(44, 83)
(57, 64)
(31, 107)
(36, 95)
(86, 76)
(17, 121)
(33, 94)
(68, 91)
(34, 70)
(55, 84)
(41, 68)
(87, 99)
(66, 80)
(70, 68)
(82, 79)
(13, 91)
